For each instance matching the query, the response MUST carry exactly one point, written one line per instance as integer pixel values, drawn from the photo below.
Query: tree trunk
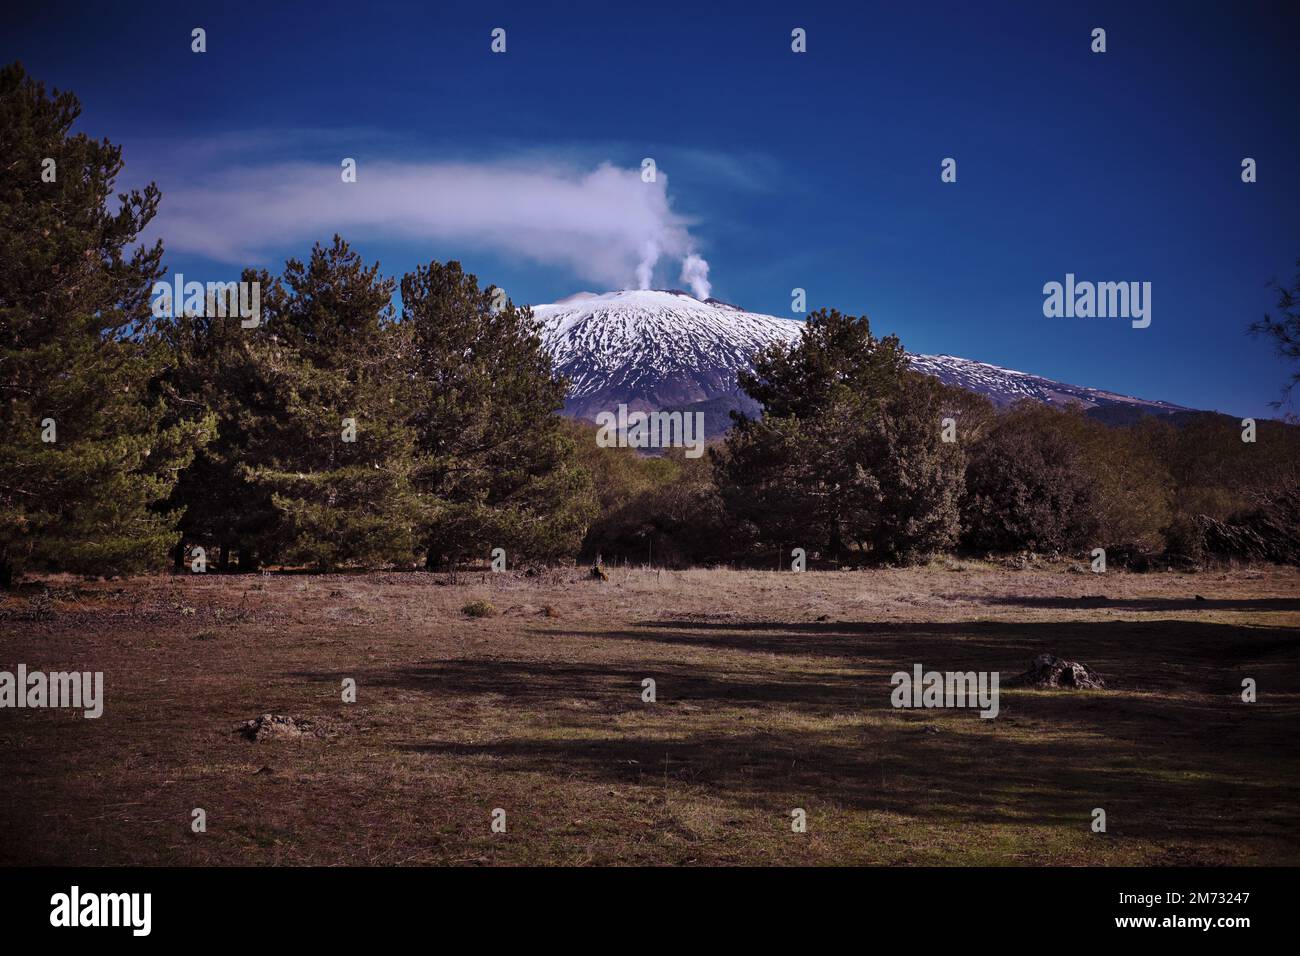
(837, 545)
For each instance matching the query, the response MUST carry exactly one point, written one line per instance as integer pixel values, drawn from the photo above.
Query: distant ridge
(666, 349)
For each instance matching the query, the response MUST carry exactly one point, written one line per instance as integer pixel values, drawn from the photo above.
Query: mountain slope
(668, 350)
(1002, 386)
(652, 350)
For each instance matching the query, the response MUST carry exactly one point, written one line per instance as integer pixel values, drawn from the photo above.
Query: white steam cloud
(695, 272)
(645, 269)
(605, 225)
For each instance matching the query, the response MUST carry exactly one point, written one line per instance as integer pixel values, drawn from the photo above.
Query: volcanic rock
(274, 727)
(1048, 670)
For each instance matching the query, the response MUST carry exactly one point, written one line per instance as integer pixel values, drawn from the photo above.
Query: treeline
(331, 433)
(344, 435)
(341, 432)
(859, 460)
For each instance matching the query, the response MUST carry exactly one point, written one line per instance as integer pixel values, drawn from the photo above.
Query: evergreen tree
(919, 478)
(325, 432)
(848, 450)
(84, 447)
(494, 465)
(215, 368)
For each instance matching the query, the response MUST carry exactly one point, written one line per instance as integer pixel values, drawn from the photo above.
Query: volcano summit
(666, 349)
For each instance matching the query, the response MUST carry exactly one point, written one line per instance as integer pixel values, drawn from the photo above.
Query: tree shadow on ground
(952, 777)
(527, 683)
(798, 712)
(1092, 602)
(1157, 655)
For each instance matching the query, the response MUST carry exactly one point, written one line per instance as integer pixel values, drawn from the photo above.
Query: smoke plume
(604, 225)
(695, 272)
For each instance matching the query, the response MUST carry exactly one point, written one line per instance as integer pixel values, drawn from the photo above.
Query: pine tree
(920, 478)
(215, 368)
(848, 451)
(84, 449)
(326, 436)
(494, 465)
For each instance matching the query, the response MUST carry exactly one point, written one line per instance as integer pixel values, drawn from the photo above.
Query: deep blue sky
(819, 170)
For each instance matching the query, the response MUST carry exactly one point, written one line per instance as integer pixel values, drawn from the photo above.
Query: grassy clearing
(773, 694)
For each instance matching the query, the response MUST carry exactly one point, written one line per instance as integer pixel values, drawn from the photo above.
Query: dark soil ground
(773, 693)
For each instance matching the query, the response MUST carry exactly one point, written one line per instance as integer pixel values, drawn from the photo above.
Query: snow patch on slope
(665, 348)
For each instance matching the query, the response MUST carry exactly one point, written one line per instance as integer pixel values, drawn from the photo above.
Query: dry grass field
(773, 693)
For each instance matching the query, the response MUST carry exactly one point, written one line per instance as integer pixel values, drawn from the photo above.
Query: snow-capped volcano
(652, 349)
(667, 349)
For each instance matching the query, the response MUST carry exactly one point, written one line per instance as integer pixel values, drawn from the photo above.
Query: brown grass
(773, 693)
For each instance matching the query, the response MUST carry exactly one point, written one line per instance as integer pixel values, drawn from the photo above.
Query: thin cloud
(603, 224)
